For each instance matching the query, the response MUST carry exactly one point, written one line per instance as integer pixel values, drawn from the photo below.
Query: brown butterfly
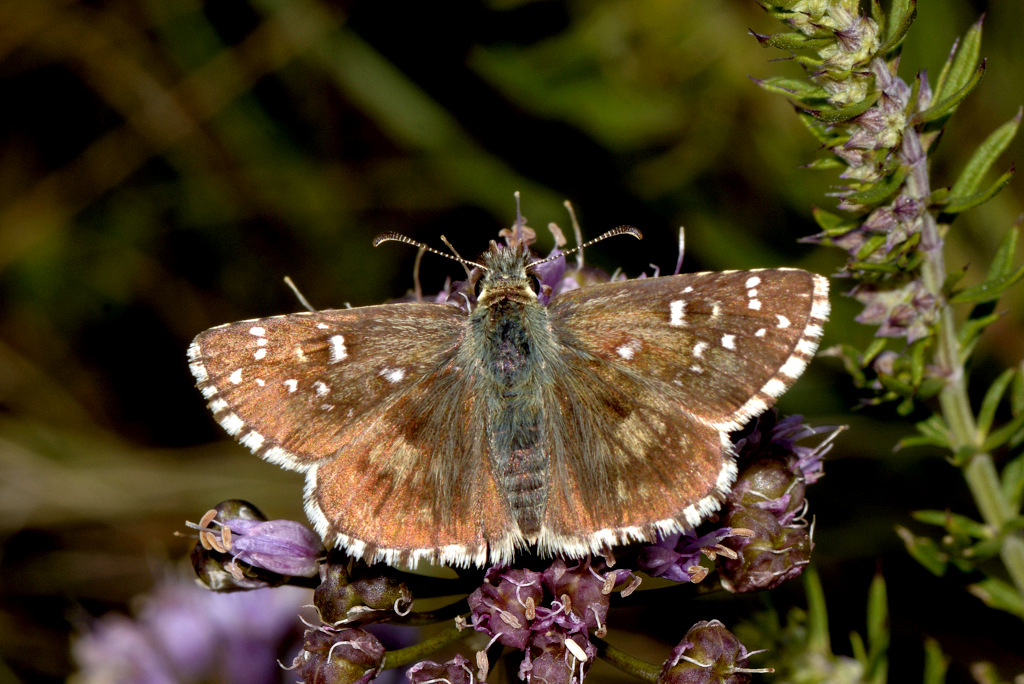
(466, 434)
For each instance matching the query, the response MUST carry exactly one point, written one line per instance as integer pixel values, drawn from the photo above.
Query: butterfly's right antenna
(577, 232)
(629, 230)
(682, 250)
(398, 237)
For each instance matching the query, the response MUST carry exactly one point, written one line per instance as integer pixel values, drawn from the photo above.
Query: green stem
(979, 471)
(626, 662)
(418, 651)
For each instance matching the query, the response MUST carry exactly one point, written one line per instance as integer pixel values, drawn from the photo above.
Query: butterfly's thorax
(510, 328)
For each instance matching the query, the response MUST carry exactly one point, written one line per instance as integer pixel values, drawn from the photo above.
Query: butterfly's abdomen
(507, 333)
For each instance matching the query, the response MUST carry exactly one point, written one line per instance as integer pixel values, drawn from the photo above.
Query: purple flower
(282, 546)
(557, 657)
(458, 670)
(505, 605)
(677, 557)
(184, 634)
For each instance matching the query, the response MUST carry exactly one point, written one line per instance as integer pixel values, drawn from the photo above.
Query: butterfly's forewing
(382, 404)
(660, 369)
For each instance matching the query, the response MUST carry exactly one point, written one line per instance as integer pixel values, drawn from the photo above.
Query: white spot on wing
(236, 377)
(257, 331)
(321, 326)
(292, 385)
(626, 352)
(393, 375)
(260, 353)
(338, 350)
(783, 321)
(321, 388)
(760, 332)
(754, 304)
(677, 311)
(753, 281)
(729, 341)
(698, 349)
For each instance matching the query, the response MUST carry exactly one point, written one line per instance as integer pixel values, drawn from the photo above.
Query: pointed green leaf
(878, 629)
(952, 278)
(860, 653)
(989, 290)
(831, 115)
(992, 399)
(1002, 262)
(924, 551)
(1000, 437)
(1013, 482)
(793, 41)
(818, 638)
(999, 594)
(901, 17)
(970, 331)
(825, 164)
(958, 205)
(792, 87)
(935, 428)
(1017, 394)
(876, 347)
(880, 190)
(946, 106)
(963, 59)
(935, 663)
(983, 158)
(954, 523)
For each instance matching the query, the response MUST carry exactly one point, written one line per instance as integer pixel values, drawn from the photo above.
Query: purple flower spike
(677, 557)
(282, 546)
(581, 592)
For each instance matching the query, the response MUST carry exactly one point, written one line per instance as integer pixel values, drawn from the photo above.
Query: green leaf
(879, 191)
(1000, 437)
(952, 278)
(993, 397)
(983, 158)
(961, 62)
(935, 663)
(970, 331)
(948, 105)
(989, 290)
(958, 205)
(832, 115)
(935, 429)
(999, 594)
(793, 41)
(878, 629)
(792, 87)
(1017, 393)
(825, 164)
(1002, 262)
(1012, 479)
(900, 19)
(924, 551)
(954, 523)
(818, 638)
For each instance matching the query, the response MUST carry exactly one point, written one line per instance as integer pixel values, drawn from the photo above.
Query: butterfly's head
(508, 274)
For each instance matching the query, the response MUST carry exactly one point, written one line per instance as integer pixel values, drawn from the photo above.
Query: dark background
(165, 163)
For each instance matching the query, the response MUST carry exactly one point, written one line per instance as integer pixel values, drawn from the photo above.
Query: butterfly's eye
(535, 283)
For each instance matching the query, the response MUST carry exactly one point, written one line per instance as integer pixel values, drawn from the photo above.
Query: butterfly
(565, 424)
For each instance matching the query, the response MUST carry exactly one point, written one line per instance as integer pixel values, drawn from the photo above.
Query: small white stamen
(338, 350)
(729, 341)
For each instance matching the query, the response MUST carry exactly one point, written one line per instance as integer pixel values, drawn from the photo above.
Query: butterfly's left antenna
(398, 237)
(629, 230)
(298, 294)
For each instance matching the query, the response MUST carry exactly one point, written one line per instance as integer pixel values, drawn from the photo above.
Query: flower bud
(347, 656)
(505, 604)
(772, 555)
(350, 588)
(708, 654)
(458, 670)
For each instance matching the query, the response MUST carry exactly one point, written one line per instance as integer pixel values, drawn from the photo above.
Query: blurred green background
(165, 163)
